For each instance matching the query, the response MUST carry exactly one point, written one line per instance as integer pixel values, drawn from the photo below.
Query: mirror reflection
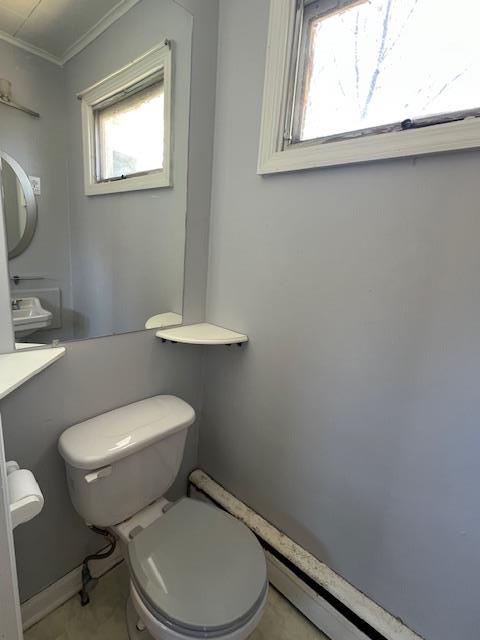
(93, 188)
(14, 208)
(19, 206)
(14, 205)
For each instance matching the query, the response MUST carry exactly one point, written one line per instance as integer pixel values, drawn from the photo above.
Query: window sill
(453, 136)
(153, 181)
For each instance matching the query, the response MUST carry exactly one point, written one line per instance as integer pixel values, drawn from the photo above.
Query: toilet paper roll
(26, 499)
(12, 466)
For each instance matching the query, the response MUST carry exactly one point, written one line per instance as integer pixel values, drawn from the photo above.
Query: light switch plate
(36, 185)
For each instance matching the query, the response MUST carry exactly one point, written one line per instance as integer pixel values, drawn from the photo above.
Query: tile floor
(104, 618)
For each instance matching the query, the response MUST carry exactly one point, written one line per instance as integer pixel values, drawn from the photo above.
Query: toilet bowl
(195, 571)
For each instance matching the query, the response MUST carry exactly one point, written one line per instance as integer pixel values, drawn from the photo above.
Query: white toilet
(195, 571)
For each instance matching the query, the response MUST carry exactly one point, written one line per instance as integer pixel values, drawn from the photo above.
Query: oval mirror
(19, 205)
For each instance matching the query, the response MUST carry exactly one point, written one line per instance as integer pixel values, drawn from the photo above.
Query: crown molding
(102, 25)
(92, 34)
(21, 44)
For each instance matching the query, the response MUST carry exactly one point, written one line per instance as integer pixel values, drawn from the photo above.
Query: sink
(29, 316)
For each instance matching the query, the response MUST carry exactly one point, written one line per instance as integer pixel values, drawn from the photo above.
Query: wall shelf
(202, 333)
(17, 368)
(163, 320)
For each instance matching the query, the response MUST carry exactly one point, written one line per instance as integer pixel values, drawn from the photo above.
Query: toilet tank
(121, 461)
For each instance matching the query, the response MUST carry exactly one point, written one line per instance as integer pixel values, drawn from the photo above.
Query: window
(126, 127)
(354, 80)
(129, 133)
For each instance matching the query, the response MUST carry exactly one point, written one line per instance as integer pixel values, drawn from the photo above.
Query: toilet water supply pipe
(88, 581)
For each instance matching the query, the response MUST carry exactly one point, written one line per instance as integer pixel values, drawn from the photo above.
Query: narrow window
(357, 80)
(370, 63)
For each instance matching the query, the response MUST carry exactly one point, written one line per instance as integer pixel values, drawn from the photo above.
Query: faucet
(15, 304)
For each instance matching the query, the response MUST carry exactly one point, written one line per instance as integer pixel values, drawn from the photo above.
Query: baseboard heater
(328, 600)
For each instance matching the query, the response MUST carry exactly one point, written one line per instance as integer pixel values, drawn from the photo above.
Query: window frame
(276, 152)
(157, 60)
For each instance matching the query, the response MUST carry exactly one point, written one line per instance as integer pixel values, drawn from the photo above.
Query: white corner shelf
(163, 320)
(202, 333)
(16, 368)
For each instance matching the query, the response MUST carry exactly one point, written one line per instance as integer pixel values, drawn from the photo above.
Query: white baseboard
(389, 626)
(313, 606)
(305, 599)
(56, 594)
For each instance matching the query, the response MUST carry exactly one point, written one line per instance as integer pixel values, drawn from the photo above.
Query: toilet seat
(156, 630)
(198, 572)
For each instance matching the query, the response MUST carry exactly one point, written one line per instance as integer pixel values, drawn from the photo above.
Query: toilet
(195, 571)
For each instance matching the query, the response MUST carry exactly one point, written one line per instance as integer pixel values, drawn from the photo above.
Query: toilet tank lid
(117, 434)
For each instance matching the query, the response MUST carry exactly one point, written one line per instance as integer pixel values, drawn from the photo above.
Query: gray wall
(351, 418)
(98, 375)
(128, 248)
(40, 148)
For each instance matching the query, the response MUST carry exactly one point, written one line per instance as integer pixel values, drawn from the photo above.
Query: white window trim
(274, 158)
(159, 58)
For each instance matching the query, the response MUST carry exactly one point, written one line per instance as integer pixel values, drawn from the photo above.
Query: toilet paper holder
(26, 498)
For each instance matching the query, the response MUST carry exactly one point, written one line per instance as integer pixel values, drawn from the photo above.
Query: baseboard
(318, 610)
(313, 606)
(362, 612)
(56, 594)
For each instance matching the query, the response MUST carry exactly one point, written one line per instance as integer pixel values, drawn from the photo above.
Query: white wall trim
(87, 38)
(279, 44)
(21, 44)
(157, 59)
(274, 158)
(56, 594)
(313, 606)
(384, 622)
(102, 25)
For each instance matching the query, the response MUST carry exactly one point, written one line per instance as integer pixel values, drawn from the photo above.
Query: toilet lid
(199, 568)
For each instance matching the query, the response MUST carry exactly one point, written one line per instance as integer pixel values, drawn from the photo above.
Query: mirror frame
(31, 207)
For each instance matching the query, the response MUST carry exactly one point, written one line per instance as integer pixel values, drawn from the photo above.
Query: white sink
(29, 316)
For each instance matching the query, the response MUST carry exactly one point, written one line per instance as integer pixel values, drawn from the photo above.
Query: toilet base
(132, 619)
(158, 631)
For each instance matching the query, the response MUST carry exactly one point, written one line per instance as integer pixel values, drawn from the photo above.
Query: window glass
(130, 134)
(371, 63)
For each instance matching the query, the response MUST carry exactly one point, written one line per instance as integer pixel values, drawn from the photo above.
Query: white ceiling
(53, 26)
